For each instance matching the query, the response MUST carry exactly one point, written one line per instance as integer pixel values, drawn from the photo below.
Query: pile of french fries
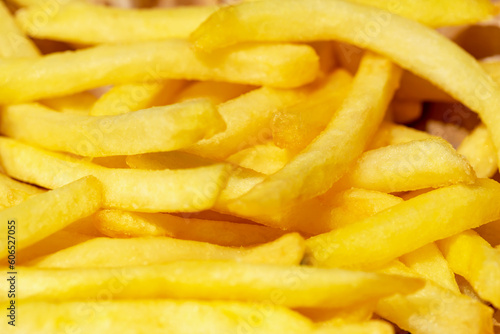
(269, 166)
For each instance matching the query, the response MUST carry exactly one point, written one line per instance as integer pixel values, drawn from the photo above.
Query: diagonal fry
(328, 157)
(185, 190)
(86, 23)
(12, 40)
(403, 228)
(411, 45)
(44, 214)
(107, 252)
(57, 74)
(296, 286)
(13, 192)
(153, 130)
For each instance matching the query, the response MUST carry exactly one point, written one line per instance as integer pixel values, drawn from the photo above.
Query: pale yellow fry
(429, 263)
(404, 227)
(393, 134)
(217, 92)
(265, 158)
(150, 130)
(410, 166)
(122, 224)
(86, 23)
(248, 119)
(57, 74)
(477, 261)
(13, 192)
(107, 252)
(218, 280)
(434, 309)
(122, 99)
(156, 316)
(13, 42)
(133, 190)
(436, 13)
(329, 156)
(44, 214)
(413, 46)
(479, 150)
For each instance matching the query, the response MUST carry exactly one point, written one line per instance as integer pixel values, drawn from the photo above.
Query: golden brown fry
(278, 65)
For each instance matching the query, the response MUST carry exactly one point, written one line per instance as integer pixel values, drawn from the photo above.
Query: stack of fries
(270, 166)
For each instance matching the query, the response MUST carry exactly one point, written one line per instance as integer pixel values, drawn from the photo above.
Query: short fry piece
(44, 214)
(324, 161)
(153, 130)
(85, 23)
(186, 190)
(122, 224)
(472, 257)
(219, 280)
(410, 166)
(404, 227)
(106, 252)
(430, 264)
(277, 65)
(479, 150)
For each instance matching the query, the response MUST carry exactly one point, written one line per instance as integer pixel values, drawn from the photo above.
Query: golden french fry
(324, 161)
(13, 192)
(296, 127)
(265, 158)
(403, 228)
(278, 65)
(86, 23)
(12, 40)
(429, 263)
(248, 119)
(220, 280)
(80, 103)
(490, 232)
(154, 130)
(423, 53)
(410, 166)
(406, 111)
(44, 214)
(433, 309)
(122, 99)
(186, 190)
(393, 134)
(472, 257)
(107, 252)
(217, 92)
(479, 150)
(122, 224)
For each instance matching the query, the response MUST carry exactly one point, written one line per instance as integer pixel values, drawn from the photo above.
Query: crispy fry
(366, 243)
(154, 130)
(219, 280)
(106, 252)
(46, 213)
(314, 170)
(296, 127)
(423, 53)
(132, 190)
(85, 23)
(434, 309)
(283, 65)
(410, 166)
(479, 150)
(472, 257)
(122, 224)
(430, 264)
(122, 99)
(266, 158)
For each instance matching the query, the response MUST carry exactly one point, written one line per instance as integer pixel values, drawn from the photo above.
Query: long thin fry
(365, 243)
(413, 46)
(328, 157)
(12, 40)
(154, 130)
(185, 190)
(282, 65)
(86, 23)
(44, 214)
